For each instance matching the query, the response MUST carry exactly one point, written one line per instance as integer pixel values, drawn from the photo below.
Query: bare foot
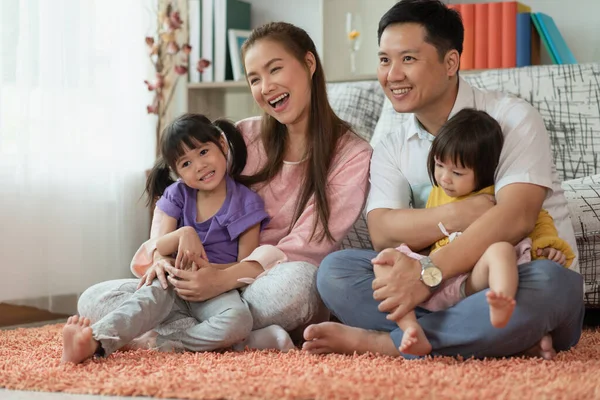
(543, 349)
(272, 337)
(415, 342)
(501, 308)
(331, 337)
(78, 343)
(145, 341)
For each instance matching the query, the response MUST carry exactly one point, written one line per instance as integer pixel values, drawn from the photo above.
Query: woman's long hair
(325, 128)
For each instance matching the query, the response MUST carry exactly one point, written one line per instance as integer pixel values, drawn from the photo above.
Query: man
(420, 45)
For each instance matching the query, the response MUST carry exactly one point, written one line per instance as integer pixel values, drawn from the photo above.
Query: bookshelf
(325, 23)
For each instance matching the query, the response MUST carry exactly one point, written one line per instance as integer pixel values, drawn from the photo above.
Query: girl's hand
(193, 263)
(554, 255)
(156, 270)
(190, 244)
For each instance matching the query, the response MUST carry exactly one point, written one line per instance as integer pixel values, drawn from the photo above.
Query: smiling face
(204, 167)
(455, 180)
(280, 83)
(410, 70)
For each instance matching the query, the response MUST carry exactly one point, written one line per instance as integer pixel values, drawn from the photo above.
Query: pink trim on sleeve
(267, 256)
(142, 259)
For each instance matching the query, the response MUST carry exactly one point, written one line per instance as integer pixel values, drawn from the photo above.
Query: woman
(311, 171)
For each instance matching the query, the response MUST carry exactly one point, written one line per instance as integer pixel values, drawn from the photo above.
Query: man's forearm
(463, 253)
(418, 228)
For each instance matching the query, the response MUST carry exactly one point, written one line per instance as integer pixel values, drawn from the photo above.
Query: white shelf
(244, 85)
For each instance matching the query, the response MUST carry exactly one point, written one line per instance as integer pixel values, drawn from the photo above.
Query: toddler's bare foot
(415, 342)
(78, 343)
(501, 308)
(544, 349)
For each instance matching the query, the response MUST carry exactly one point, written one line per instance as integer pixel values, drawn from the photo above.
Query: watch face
(432, 276)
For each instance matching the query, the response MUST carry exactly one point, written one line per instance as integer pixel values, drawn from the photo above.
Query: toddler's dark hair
(471, 139)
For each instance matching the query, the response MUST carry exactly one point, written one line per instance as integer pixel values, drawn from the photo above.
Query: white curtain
(75, 141)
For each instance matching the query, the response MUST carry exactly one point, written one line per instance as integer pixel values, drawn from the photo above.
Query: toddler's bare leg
(497, 269)
(414, 340)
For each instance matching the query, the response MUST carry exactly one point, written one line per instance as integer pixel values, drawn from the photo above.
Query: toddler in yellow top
(462, 163)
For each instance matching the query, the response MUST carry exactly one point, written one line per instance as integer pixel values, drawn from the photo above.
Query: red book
(481, 36)
(509, 34)
(467, 60)
(495, 35)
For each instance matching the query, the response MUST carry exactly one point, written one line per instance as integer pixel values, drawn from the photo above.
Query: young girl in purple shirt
(210, 215)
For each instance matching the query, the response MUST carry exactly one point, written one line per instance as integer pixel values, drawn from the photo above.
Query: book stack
(507, 35)
(210, 23)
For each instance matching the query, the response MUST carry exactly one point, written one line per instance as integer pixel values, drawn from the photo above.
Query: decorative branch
(167, 52)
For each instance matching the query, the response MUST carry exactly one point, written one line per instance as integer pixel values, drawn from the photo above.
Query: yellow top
(544, 234)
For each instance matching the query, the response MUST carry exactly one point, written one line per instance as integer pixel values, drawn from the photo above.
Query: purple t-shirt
(241, 210)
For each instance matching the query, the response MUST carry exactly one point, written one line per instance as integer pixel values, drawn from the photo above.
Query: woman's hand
(198, 284)
(156, 270)
(190, 245)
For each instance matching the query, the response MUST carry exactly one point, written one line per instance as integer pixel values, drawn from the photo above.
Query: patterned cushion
(358, 237)
(568, 98)
(583, 197)
(358, 103)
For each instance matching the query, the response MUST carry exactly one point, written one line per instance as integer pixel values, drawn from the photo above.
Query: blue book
(556, 42)
(523, 39)
(542, 34)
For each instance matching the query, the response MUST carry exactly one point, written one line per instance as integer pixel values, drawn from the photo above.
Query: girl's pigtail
(158, 180)
(238, 154)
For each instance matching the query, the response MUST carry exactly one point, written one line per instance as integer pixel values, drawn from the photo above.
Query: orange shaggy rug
(29, 360)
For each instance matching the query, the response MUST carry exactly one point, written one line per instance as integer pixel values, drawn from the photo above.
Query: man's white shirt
(399, 176)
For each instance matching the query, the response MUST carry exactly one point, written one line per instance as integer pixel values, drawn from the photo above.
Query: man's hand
(399, 290)
(465, 212)
(190, 244)
(553, 254)
(156, 270)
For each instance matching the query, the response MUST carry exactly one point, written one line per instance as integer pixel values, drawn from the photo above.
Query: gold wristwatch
(431, 275)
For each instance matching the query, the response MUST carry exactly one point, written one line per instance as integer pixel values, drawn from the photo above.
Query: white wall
(577, 21)
(304, 13)
(336, 58)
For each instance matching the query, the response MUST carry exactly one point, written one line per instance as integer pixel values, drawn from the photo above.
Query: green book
(228, 14)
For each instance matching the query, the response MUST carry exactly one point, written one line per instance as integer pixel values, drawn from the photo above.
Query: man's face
(410, 70)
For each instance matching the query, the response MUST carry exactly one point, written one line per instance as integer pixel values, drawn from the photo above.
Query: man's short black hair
(443, 26)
